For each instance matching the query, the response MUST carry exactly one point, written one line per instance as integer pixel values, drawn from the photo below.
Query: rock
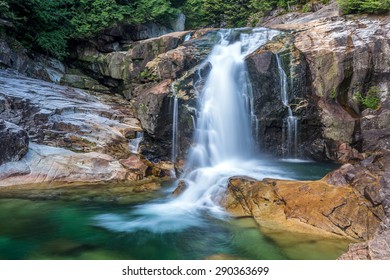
(307, 207)
(344, 55)
(46, 68)
(49, 164)
(64, 117)
(13, 142)
(127, 63)
(75, 136)
(268, 107)
(136, 166)
(145, 73)
(376, 249)
(356, 251)
(146, 187)
(341, 176)
(83, 82)
(181, 187)
(12, 54)
(347, 154)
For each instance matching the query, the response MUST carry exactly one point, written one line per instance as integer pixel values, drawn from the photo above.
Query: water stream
(290, 139)
(134, 143)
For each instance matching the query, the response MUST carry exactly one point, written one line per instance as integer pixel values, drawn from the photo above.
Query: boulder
(45, 164)
(304, 206)
(13, 142)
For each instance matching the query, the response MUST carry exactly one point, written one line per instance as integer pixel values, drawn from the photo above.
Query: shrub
(371, 99)
(365, 6)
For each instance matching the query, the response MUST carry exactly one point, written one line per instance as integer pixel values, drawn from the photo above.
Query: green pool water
(63, 229)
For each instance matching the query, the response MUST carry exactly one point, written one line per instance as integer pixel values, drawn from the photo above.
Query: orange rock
(304, 206)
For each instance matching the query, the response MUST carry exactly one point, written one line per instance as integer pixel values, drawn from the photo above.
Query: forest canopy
(49, 25)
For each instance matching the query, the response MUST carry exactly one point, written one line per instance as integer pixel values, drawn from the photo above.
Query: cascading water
(223, 143)
(289, 141)
(175, 120)
(134, 143)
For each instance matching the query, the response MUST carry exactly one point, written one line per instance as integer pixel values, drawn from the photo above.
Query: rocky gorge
(76, 126)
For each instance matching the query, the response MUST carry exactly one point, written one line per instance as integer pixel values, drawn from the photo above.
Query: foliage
(229, 13)
(371, 99)
(333, 94)
(48, 25)
(365, 6)
(5, 12)
(216, 13)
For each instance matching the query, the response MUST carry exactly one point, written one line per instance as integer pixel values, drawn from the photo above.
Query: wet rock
(136, 166)
(64, 117)
(181, 187)
(75, 137)
(49, 164)
(13, 142)
(308, 207)
(344, 56)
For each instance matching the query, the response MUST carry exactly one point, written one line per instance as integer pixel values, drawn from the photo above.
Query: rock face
(14, 56)
(271, 112)
(75, 137)
(45, 164)
(308, 207)
(13, 142)
(345, 56)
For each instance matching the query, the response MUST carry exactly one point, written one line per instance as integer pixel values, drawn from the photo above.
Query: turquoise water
(59, 229)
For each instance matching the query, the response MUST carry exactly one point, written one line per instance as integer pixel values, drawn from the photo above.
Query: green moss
(333, 94)
(371, 99)
(148, 75)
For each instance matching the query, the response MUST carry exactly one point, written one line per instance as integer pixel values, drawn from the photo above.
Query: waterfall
(289, 141)
(175, 118)
(134, 143)
(223, 144)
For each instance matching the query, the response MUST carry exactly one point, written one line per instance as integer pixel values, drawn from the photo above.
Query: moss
(148, 75)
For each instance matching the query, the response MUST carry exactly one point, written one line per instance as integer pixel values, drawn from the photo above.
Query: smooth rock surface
(44, 164)
(74, 136)
(308, 207)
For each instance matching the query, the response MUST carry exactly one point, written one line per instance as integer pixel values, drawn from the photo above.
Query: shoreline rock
(312, 207)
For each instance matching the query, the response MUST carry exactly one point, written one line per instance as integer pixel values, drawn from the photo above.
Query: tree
(365, 6)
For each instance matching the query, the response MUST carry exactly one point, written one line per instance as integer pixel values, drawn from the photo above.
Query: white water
(289, 141)
(223, 143)
(175, 121)
(134, 143)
